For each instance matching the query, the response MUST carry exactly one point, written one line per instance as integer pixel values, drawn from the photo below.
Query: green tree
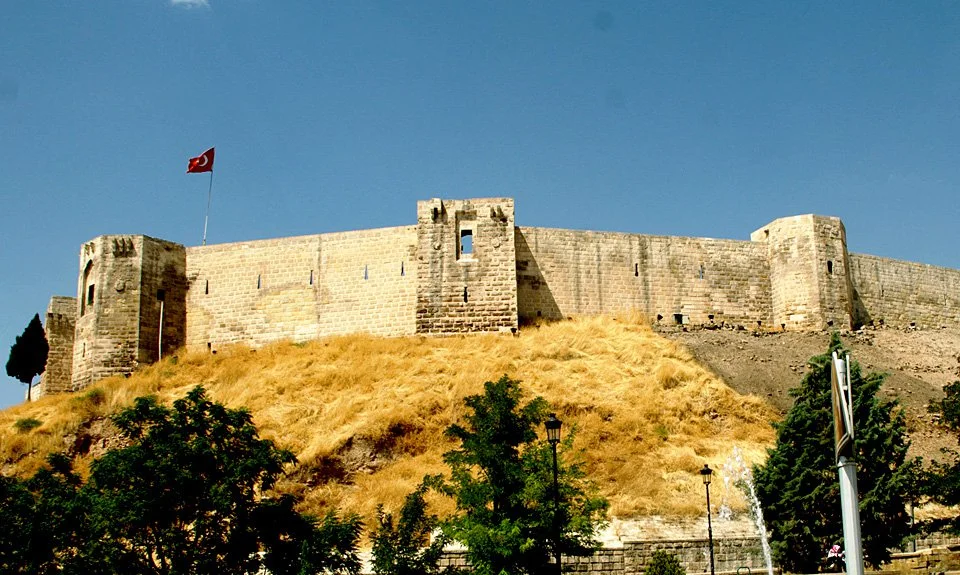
(662, 563)
(16, 529)
(941, 482)
(405, 548)
(183, 498)
(798, 486)
(28, 354)
(502, 481)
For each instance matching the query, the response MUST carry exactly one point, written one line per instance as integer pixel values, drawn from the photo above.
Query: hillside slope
(365, 415)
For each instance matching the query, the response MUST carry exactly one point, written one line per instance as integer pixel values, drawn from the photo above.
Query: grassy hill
(365, 415)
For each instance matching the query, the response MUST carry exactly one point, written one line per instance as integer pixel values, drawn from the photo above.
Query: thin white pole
(207, 217)
(851, 516)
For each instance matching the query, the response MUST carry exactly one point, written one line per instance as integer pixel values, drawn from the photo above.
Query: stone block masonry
(59, 325)
(465, 267)
(671, 279)
(632, 557)
(302, 288)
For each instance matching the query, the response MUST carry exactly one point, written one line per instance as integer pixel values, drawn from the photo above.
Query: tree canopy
(798, 486)
(184, 497)
(502, 481)
(28, 354)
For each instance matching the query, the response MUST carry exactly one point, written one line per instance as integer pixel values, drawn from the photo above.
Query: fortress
(466, 267)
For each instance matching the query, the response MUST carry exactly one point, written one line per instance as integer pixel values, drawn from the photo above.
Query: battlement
(466, 267)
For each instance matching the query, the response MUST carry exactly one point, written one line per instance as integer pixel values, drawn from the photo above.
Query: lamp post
(553, 437)
(707, 473)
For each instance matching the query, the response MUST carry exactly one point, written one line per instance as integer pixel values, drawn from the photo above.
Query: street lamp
(707, 473)
(553, 437)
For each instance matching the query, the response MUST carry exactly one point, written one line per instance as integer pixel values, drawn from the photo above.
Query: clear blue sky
(679, 118)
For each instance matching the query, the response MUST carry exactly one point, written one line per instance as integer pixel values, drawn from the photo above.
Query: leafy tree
(798, 486)
(405, 548)
(28, 354)
(941, 483)
(17, 505)
(662, 563)
(183, 498)
(502, 480)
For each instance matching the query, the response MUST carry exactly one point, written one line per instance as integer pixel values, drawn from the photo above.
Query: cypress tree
(28, 354)
(798, 486)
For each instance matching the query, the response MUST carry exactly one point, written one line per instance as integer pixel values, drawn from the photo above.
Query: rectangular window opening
(161, 295)
(465, 296)
(90, 294)
(466, 243)
(829, 267)
(678, 318)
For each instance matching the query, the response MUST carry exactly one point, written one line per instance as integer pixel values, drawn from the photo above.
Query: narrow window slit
(366, 273)
(206, 287)
(311, 277)
(258, 281)
(636, 270)
(465, 295)
(401, 269)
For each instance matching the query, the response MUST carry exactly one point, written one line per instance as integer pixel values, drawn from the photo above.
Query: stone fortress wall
(466, 267)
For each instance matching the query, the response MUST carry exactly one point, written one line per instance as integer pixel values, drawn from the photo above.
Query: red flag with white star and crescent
(202, 163)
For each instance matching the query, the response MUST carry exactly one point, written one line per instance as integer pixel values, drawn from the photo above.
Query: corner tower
(809, 272)
(130, 305)
(467, 266)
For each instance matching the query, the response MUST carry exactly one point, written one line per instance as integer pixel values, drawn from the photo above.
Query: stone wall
(899, 293)
(302, 288)
(108, 297)
(466, 279)
(633, 557)
(117, 307)
(670, 279)
(163, 294)
(59, 326)
(808, 272)
(465, 267)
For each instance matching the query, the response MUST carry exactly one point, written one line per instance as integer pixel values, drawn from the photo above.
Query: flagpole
(207, 217)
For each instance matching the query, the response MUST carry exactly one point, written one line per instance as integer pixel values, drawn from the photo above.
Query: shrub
(662, 563)
(25, 424)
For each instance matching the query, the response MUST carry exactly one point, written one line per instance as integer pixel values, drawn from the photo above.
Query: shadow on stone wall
(534, 298)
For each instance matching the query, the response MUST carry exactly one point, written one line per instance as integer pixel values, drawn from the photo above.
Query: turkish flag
(202, 163)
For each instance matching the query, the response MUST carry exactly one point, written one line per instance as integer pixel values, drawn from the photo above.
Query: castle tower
(466, 270)
(809, 272)
(128, 286)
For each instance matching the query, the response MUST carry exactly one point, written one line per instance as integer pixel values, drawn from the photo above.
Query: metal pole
(207, 217)
(851, 516)
(556, 511)
(710, 530)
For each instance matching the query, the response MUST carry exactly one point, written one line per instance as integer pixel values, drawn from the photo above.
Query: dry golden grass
(372, 411)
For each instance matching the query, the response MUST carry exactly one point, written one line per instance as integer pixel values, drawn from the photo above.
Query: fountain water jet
(736, 471)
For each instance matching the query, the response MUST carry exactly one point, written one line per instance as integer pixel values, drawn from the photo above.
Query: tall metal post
(707, 473)
(842, 392)
(553, 436)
